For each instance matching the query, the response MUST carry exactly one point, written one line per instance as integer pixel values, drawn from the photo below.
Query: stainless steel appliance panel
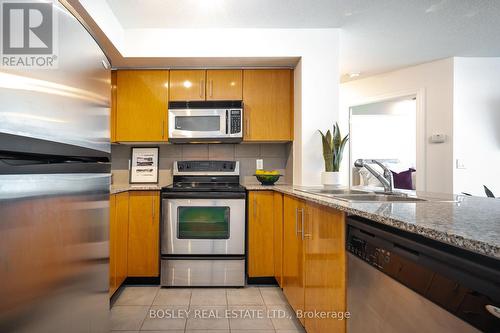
(203, 272)
(172, 244)
(54, 253)
(192, 124)
(378, 303)
(69, 104)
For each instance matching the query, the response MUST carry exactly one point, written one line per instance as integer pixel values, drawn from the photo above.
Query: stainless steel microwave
(205, 121)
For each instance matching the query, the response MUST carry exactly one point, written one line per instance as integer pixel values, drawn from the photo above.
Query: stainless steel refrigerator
(54, 190)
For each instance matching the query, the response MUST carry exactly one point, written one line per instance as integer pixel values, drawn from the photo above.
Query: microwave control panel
(235, 119)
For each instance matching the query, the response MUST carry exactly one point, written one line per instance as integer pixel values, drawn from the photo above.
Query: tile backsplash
(276, 156)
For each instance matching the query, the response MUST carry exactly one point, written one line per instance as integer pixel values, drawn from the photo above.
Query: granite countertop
(133, 187)
(470, 223)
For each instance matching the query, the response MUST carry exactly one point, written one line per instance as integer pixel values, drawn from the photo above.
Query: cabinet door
(278, 237)
(143, 234)
(268, 99)
(187, 85)
(112, 125)
(224, 84)
(112, 244)
(121, 237)
(325, 274)
(141, 105)
(293, 254)
(260, 234)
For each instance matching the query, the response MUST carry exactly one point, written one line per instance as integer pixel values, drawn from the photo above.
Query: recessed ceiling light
(355, 74)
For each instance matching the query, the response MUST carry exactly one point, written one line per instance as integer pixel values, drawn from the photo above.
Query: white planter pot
(330, 179)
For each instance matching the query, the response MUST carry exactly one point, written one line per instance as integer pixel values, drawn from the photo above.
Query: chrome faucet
(386, 179)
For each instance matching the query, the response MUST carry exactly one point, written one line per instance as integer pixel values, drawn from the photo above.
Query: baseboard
(135, 280)
(268, 280)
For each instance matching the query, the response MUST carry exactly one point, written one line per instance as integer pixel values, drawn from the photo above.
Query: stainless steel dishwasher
(403, 282)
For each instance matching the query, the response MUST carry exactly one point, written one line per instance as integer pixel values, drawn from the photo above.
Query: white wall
(433, 85)
(477, 124)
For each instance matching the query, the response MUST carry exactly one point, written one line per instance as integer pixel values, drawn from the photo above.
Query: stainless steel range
(203, 225)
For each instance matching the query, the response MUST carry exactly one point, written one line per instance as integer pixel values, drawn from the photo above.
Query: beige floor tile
(244, 296)
(207, 331)
(128, 317)
(252, 331)
(163, 331)
(207, 318)
(173, 296)
(273, 296)
(208, 296)
(283, 318)
(137, 296)
(249, 318)
(166, 317)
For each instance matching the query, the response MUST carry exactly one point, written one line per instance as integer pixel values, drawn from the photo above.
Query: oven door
(197, 123)
(203, 226)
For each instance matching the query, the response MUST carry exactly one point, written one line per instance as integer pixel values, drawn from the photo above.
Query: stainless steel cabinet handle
(296, 221)
(302, 222)
(304, 234)
(298, 229)
(211, 88)
(201, 88)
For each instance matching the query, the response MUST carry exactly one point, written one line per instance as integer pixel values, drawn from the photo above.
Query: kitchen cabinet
(141, 105)
(268, 100)
(187, 85)
(278, 237)
(314, 261)
(224, 84)
(325, 267)
(118, 240)
(293, 252)
(143, 234)
(260, 234)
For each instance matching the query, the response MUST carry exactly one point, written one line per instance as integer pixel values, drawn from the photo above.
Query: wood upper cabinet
(278, 237)
(144, 234)
(118, 240)
(224, 84)
(260, 234)
(187, 85)
(293, 252)
(141, 105)
(325, 267)
(268, 100)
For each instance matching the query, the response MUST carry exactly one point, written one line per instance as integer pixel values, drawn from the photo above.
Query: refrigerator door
(69, 104)
(54, 252)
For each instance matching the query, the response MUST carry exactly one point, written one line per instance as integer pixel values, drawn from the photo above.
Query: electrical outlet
(259, 164)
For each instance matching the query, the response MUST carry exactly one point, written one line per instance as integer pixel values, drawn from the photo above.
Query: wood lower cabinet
(187, 85)
(141, 104)
(118, 240)
(314, 262)
(268, 99)
(143, 234)
(325, 267)
(278, 237)
(224, 84)
(293, 252)
(260, 234)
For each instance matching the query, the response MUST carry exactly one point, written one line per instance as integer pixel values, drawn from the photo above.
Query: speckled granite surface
(139, 187)
(470, 223)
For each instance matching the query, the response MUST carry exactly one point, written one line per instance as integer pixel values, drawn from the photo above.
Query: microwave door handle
(227, 122)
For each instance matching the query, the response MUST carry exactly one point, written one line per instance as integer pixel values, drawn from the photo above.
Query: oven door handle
(204, 195)
(227, 122)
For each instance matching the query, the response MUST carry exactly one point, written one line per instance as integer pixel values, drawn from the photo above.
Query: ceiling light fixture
(354, 74)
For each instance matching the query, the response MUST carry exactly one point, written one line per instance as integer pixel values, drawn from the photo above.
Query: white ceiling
(376, 35)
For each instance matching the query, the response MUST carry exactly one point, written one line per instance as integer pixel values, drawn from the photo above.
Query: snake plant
(333, 148)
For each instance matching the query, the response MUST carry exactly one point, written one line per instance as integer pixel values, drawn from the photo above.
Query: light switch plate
(259, 164)
(460, 164)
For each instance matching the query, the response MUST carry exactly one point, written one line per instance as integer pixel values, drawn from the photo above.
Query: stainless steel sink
(332, 192)
(378, 198)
